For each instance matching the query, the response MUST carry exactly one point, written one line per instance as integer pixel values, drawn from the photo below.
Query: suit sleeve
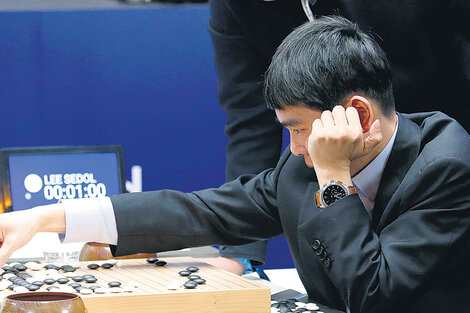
(238, 212)
(378, 271)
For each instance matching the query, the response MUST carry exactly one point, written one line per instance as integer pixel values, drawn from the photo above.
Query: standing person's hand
(336, 139)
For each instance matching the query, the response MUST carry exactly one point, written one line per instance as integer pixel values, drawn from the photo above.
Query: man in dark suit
(375, 205)
(427, 43)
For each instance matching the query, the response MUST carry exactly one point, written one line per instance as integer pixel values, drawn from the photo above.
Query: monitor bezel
(5, 192)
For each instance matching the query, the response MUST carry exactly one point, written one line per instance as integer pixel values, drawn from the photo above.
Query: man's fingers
(375, 136)
(5, 251)
(353, 117)
(339, 115)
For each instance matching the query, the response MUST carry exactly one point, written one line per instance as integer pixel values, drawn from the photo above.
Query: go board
(223, 291)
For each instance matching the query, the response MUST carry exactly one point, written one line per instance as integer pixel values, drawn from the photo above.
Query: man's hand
(337, 139)
(17, 228)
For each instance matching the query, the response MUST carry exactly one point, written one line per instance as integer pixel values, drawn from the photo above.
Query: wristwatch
(332, 192)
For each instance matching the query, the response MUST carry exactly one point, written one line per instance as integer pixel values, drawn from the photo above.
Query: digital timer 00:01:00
(58, 192)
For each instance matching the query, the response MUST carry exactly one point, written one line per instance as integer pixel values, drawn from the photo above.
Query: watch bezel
(346, 189)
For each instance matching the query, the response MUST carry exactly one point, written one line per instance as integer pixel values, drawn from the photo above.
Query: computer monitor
(36, 176)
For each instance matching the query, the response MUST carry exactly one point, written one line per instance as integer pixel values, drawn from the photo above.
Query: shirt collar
(367, 181)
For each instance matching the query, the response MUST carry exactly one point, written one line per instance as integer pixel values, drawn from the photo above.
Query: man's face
(298, 120)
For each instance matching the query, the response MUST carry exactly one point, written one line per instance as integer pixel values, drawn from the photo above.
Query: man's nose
(297, 148)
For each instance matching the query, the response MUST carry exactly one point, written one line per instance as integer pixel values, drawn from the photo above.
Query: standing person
(374, 204)
(427, 42)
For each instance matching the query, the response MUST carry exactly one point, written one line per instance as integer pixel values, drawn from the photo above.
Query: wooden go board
(223, 291)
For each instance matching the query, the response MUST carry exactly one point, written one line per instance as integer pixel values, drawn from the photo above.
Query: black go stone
(152, 260)
(24, 283)
(69, 269)
(51, 267)
(190, 284)
(51, 287)
(32, 287)
(193, 277)
(301, 310)
(14, 278)
(94, 287)
(160, 263)
(75, 285)
(184, 273)
(38, 283)
(24, 275)
(63, 280)
(114, 284)
(20, 267)
(90, 280)
(7, 268)
(12, 286)
(106, 265)
(93, 266)
(192, 269)
(49, 281)
(199, 281)
(284, 308)
(77, 278)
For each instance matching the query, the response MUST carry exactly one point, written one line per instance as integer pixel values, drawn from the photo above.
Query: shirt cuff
(89, 220)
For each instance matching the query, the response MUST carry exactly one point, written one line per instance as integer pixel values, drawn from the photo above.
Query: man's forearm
(50, 218)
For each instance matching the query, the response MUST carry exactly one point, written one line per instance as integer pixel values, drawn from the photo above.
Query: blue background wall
(143, 78)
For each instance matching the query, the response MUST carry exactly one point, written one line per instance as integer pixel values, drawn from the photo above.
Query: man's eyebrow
(291, 122)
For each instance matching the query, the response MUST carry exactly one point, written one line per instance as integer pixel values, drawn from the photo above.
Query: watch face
(333, 193)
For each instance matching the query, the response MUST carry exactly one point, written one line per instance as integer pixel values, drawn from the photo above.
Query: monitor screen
(40, 176)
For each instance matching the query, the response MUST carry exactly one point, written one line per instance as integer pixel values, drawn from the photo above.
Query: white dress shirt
(94, 220)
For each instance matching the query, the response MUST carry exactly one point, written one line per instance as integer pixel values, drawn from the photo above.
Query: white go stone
(274, 310)
(128, 289)
(300, 305)
(4, 285)
(69, 274)
(30, 279)
(100, 290)
(34, 266)
(86, 291)
(20, 289)
(8, 275)
(51, 271)
(13, 264)
(115, 289)
(312, 307)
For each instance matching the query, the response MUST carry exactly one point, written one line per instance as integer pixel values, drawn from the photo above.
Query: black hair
(324, 61)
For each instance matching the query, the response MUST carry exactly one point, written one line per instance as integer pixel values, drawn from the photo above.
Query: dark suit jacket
(427, 44)
(413, 255)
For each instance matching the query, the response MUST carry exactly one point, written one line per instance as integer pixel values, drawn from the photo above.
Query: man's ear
(364, 108)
